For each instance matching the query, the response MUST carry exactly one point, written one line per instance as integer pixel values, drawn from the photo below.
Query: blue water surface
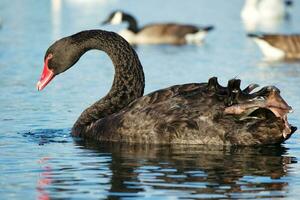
(40, 160)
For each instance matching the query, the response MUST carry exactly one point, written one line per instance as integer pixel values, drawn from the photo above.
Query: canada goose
(158, 33)
(278, 46)
(195, 113)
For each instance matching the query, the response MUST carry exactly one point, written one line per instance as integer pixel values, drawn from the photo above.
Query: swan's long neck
(133, 26)
(128, 83)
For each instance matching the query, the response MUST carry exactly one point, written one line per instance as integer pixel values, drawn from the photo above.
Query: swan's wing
(160, 115)
(186, 114)
(174, 115)
(163, 95)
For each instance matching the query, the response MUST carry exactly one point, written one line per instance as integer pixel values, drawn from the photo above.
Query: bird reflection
(218, 170)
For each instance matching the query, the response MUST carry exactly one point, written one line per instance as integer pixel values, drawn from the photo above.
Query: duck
(265, 14)
(193, 113)
(278, 46)
(157, 33)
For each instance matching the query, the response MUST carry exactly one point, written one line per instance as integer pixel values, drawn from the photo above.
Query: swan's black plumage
(195, 113)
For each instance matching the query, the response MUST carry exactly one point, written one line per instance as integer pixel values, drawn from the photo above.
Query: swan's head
(265, 104)
(116, 17)
(59, 57)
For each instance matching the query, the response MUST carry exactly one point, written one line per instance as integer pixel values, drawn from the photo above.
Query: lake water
(40, 160)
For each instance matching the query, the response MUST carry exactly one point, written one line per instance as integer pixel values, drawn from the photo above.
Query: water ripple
(46, 136)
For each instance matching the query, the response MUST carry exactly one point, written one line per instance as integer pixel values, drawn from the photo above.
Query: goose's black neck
(133, 26)
(128, 83)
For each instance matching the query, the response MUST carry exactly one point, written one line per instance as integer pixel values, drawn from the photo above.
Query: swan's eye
(48, 60)
(50, 55)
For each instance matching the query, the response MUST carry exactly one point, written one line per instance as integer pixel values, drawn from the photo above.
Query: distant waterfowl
(265, 9)
(195, 113)
(264, 14)
(158, 33)
(278, 46)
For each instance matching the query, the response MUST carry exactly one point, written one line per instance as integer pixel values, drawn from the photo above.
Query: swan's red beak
(46, 77)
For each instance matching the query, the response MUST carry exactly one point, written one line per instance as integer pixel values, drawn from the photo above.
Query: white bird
(267, 13)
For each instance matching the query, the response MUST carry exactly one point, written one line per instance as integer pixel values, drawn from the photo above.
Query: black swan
(159, 33)
(195, 113)
(278, 46)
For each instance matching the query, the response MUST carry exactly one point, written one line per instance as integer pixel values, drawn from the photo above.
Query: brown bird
(194, 113)
(158, 33)
(278, 46)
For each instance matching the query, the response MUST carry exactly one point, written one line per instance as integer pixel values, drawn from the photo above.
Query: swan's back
(182, 114)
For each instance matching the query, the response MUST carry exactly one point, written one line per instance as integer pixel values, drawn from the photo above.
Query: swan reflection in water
(179, 171)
